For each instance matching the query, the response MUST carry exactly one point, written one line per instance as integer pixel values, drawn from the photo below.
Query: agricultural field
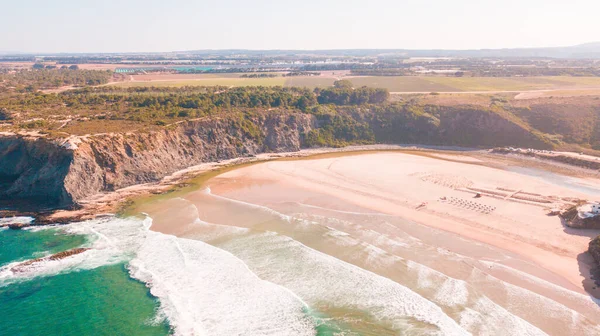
(403, 84)
(208, 81)
(310, 82)
(468, 84)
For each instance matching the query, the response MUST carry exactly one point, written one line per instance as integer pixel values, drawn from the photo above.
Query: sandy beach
(400, 184)
(401, 215)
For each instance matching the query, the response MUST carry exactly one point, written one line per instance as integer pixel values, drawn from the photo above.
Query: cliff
(43, 171)
(594, 249)
(470, 126)
(33, 169)
(57, 173)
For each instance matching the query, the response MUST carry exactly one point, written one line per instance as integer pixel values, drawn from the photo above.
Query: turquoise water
(16, 245)
(100, 301)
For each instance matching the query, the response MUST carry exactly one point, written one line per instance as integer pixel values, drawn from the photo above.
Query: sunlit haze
(155, 25)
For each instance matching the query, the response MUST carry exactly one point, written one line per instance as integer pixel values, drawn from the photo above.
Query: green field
(461, 84)
(392, 83)
(216, 81)
(311, 82)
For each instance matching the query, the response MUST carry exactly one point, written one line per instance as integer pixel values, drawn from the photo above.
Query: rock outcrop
(22, 267)
(594, 249)
(34, 169)
(572, 219)
(60, 174)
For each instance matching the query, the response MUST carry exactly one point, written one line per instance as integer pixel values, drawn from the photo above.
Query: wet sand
(397, 184)
(402, 216)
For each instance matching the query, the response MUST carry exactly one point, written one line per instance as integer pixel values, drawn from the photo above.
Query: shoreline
(565, 261)
(545, 270)
(335, 206)
(124, 201)
(117, 201)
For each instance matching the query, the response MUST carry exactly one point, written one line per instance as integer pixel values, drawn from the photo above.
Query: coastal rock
(572, 219)
(58, 256)
(39, 171)
(33, 169)
(594, 249)
(51, 173)
(18, 226)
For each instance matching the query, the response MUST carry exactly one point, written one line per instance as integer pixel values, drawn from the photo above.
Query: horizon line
(24, 53)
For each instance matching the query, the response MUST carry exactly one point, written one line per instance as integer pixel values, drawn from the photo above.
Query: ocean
(76, 297)
(240, 268)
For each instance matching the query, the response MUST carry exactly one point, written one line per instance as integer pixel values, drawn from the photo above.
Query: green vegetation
(390, 81)
(337, 129)
(94, 108)
(44, 78)
(210, 80)
(380, 72)
(343, 94)
(452, 84)
(301, 73)
(344, 113)
(259, 75)
(309, 82)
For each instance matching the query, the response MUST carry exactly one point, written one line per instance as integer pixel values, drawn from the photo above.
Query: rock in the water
(22, 267)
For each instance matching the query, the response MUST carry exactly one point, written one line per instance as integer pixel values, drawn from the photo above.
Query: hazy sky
(168, 25)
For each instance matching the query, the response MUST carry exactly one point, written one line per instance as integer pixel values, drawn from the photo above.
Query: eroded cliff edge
(58, 173)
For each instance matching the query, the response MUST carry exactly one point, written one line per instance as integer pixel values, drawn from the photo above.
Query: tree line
(157, 105)
(46, 78)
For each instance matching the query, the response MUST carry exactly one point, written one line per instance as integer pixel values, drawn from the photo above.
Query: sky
(176, 25)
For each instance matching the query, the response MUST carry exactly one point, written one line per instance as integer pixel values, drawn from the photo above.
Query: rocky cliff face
(32, 170)
(594, 249)
(45, 172)
(451, 125)
(61, 174)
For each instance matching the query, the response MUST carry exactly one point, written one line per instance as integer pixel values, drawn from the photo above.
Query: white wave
(533, 306)
(260, 285)
(250, 205)
(105, 251)
(16, 220)
(202, 290)
(452, 293)
(448, 292)
(207, 291)
(344, 211)
(318, 278)
(540, 282)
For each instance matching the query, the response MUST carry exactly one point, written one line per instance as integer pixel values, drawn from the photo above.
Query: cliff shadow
(30, 206)
(588, 268)
(590, 271)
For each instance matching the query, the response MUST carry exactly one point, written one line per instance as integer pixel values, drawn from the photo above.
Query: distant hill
(586, 50)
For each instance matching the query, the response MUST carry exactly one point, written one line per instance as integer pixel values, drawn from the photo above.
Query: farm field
(404, 84)
(456, 84)
(311, 82)
(558, 93)
(208, 81)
